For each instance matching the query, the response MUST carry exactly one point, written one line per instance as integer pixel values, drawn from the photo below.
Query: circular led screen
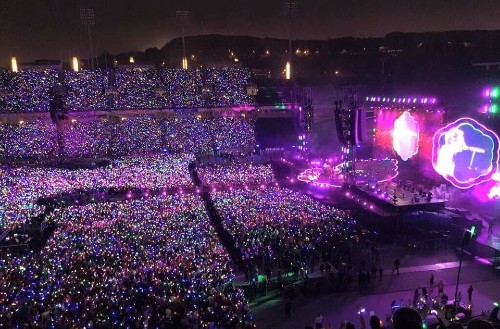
(465, 153)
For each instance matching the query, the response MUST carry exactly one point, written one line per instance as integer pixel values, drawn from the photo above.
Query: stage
(387, 199)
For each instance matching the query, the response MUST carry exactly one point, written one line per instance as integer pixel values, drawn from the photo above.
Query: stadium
(139, 195)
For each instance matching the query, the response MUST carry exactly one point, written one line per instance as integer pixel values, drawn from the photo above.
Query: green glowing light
(495, 92)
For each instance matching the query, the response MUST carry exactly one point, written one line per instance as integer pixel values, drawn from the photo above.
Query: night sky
(33, 29)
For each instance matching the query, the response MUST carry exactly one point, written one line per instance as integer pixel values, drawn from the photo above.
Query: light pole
(183, 19)
(87, 17)
(290, 11)
(468, 234)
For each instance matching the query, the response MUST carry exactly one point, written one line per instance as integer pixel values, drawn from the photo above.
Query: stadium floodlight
(13, 64)
(288, 72)
(76, 64)
(87, 17)
(183, 19)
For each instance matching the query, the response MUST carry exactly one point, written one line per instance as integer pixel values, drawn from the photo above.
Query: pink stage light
(405, 136)
(465, 153)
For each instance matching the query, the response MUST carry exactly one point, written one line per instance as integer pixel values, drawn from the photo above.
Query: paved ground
(415, 273)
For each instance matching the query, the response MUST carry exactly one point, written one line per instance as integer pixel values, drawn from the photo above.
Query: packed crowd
(22, 187)
(4, 78)
(152, 263)
(183, 87)
(231, 135)
(32, 90)
(136, 136)
(235, 174)
(188, 134)
(129, 136)
(34, 140)
(276, 227)
(136, 88)
(86, 90)
(227, 87)
(87, 138)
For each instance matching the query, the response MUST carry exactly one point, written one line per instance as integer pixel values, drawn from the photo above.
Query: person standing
(318, 321)
(431, 284)
(469, 293)
(396, 266)
(424, 294)
(491, 221)
(440, 288)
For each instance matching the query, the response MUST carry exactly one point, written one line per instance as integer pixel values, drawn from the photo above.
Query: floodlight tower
(87, 17)
(290, 12)
(183, 18)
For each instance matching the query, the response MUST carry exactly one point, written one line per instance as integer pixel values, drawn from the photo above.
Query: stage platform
(382, 201)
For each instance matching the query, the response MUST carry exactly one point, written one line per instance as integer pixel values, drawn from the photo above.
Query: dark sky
(33, 29)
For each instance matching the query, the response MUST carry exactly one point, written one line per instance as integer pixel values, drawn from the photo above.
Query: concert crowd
(38, 140)
(32, 90)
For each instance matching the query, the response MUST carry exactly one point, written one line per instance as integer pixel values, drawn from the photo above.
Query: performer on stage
(450, 161)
